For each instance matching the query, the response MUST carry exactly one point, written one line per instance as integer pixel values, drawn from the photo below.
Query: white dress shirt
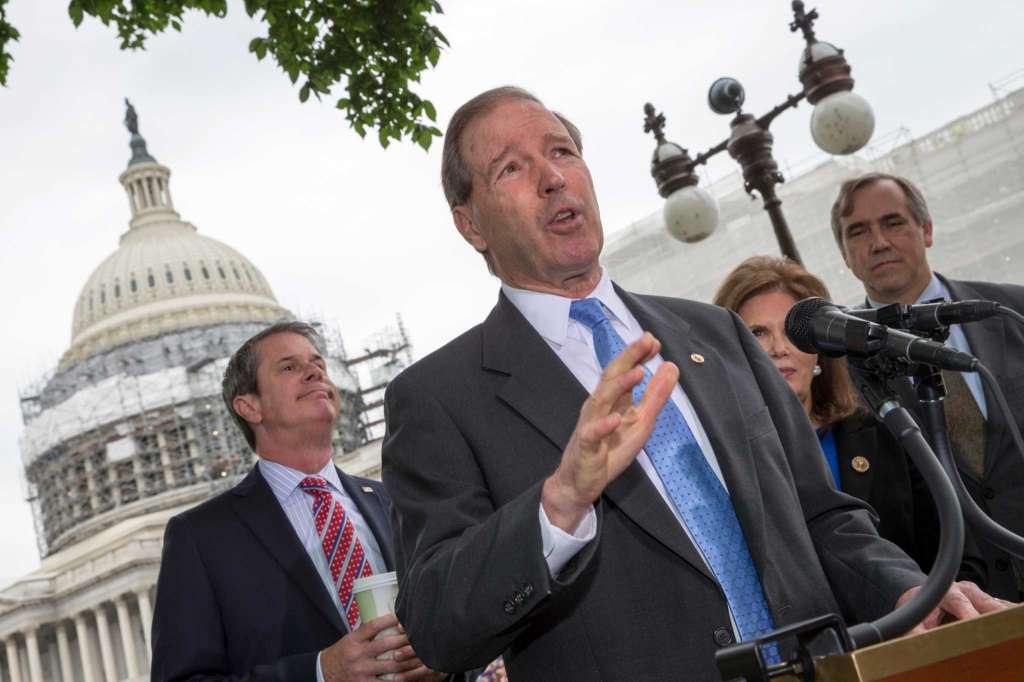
(573, 343)
(298, 507)
(957, 339)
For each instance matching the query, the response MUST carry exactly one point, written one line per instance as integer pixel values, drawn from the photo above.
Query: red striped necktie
(340, 543)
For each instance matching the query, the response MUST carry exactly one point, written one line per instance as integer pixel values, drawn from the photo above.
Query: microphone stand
(874, 377)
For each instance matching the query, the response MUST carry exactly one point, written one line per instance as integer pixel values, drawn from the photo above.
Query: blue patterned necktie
(698, 495)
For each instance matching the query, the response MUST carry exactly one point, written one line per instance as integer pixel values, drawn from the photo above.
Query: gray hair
(843, 205)
(240, 375)
(456, 177)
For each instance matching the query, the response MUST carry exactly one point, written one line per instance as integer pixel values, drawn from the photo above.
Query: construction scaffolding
(385, 354)
(143, 437)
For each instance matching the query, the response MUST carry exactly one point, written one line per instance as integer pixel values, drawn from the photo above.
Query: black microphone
(815, 325)
(925, 317)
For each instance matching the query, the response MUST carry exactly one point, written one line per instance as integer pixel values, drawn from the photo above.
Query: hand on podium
(963, 601)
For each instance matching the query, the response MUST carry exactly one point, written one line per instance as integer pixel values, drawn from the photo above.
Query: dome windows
(168, 275)
(150, 280)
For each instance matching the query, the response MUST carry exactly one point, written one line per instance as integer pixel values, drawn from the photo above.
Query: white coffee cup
(376, 596)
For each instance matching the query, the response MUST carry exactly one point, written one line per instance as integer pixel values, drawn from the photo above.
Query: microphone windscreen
(800, 323)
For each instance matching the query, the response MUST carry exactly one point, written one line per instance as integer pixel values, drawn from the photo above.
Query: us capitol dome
(130, 429)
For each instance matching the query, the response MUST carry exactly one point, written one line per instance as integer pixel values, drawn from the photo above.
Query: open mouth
(565, 219)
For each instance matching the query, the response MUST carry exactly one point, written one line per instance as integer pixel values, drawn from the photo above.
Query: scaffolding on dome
(131, 443)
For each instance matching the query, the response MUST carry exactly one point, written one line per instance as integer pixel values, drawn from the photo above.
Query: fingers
(981, 600)
(957, 604)
(386, 643)
(371, 629)
(659, 388)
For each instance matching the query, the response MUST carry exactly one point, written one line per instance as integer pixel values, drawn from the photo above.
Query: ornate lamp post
(842, 123)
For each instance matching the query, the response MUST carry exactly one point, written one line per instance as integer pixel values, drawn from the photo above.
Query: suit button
(528, 589)
(509, 607)
(1002, 564)
(723, 636)
(989, 493)
(519, 598)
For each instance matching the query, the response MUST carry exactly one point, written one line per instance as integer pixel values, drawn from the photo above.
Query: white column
(35, 663)
(146, 613)
(124, 622)
(64, 653)
(13, 662)
(84, 650)
(106, 649)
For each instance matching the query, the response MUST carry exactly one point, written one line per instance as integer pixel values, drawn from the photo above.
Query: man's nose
(879, 242)
(313, 371)
(551, 179)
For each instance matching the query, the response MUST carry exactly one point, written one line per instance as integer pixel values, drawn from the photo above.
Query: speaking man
(540, 512)
(256, 584)
(883, 228)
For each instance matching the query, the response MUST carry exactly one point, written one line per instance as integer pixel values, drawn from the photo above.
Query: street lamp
(842, 123)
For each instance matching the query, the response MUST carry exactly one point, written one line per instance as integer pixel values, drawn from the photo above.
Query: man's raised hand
(610, 433)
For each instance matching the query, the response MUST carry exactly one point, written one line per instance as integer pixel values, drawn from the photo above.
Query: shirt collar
(549, 313)
(935, 289)
(283, 480)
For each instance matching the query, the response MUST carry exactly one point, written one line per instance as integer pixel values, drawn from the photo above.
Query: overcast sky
(353, 234)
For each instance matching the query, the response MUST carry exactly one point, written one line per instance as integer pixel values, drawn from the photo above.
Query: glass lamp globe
(842, 123)
(691, 214)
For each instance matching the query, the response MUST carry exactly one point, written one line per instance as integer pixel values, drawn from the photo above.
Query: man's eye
(509, 169)
(758, 331)
(854, 232)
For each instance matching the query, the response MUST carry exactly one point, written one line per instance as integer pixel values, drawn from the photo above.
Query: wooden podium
(986, 649)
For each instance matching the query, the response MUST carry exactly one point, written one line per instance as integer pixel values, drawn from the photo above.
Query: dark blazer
(999, 343)
(474, 428)
(886, 479)
(238, 597)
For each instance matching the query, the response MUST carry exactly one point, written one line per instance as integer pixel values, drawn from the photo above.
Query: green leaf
(430, 110)
(76, 12)
(304, 93)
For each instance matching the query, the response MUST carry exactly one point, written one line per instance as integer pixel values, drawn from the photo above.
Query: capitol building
(130, 429)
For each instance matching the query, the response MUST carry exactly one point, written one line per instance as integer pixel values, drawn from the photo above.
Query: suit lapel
(539, 386)
(542, 390)
(706, 385)
(374, 510)
(260, 511)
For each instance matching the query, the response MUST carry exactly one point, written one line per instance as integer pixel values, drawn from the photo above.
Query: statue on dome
(131, 119)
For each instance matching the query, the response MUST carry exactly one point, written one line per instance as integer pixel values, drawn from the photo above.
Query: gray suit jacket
(999, 343)
(474, 428)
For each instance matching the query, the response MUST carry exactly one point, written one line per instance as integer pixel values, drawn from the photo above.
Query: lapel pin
(697, 357)
(860, 464)
(367, 489)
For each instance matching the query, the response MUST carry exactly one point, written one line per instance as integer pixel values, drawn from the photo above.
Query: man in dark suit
(542, 513)
(883, 228)
(255, 584)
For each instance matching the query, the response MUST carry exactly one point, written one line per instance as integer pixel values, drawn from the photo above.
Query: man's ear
(247, 406)
(468, 228)
(928, 237)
